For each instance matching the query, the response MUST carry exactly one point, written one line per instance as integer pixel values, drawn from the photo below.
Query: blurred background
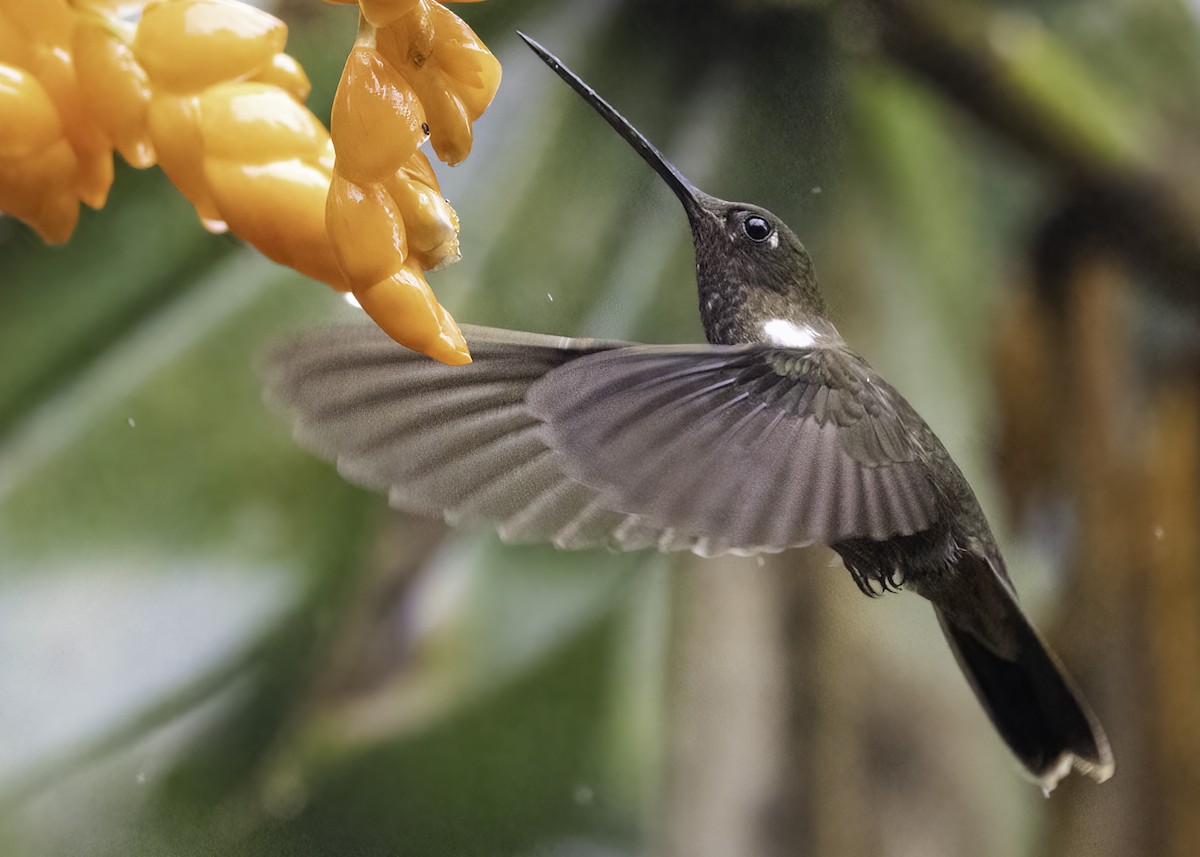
(211, 645)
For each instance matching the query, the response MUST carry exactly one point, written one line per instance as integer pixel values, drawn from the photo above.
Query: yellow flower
(417, 72)
(203, 89)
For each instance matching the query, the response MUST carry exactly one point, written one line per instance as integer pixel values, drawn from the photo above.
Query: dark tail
(1019, 681)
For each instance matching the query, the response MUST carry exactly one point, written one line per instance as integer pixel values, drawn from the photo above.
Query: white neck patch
(780, 331)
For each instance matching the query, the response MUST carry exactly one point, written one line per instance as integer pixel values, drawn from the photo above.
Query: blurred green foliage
(211, 645)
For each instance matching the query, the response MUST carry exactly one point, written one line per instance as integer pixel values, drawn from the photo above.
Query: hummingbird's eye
(757, 228)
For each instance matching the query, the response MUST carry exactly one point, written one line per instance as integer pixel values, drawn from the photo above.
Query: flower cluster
(416, 72)
(204, 89)
(227, 122)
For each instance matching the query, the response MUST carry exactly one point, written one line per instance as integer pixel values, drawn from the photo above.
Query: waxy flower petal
(377, 120)
(28, 113)
(188, 46)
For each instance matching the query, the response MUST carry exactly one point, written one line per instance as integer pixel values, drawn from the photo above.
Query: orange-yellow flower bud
(420, 169)
(56, 72)
(450, 131)
(367, 228)
(41, 191)
(447, 66)
(27, 114)
(120, 8)
(287, 74)
(381, 115)
(463, 56)
(403, 305)
(188, 46)
(15, 47)
(432, 225)
(279, 207)
(174, 123)
(382, 12)
(46, 22)
(256, 123)
(115, 87)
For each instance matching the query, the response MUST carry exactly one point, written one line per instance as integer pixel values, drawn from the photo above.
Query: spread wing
(587, 443)
(454, 441)
(751, 444)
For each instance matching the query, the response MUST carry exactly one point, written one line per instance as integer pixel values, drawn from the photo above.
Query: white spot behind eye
(773, 241)
(780, 331)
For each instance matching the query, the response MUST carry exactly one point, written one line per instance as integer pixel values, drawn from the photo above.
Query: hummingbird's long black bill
(687, 192)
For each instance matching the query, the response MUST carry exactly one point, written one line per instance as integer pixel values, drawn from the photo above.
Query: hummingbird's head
(751, 269)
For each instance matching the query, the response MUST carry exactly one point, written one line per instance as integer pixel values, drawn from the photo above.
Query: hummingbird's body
(772, 436)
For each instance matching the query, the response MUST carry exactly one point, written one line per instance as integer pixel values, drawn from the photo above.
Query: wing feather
(459, 442)
(656, 430)
(585, 443)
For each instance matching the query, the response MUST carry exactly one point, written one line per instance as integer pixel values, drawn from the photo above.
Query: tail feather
(1023, 688)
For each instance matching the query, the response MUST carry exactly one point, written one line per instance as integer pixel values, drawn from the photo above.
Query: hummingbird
(773, 435)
